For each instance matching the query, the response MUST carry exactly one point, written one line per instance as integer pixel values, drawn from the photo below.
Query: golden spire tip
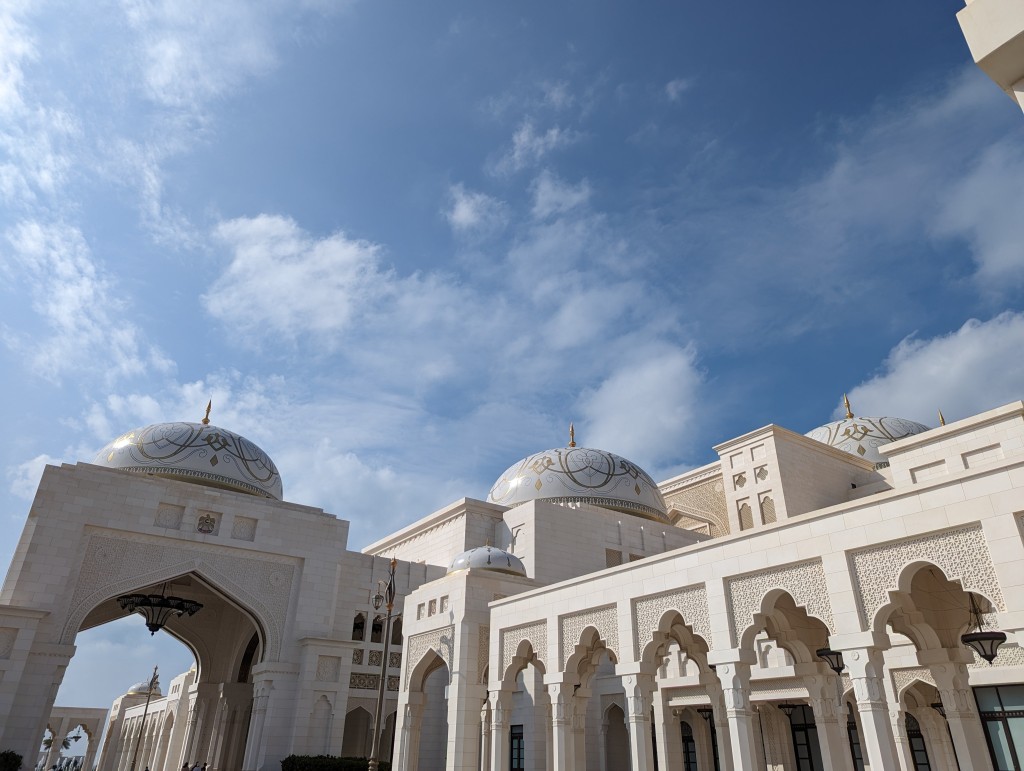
(206, 417)
(572, 435)
(942, 420)
(846, 401)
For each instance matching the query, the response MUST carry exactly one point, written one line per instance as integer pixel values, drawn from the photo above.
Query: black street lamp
(385, 596)
(788, 708)
(985, 644)
(157, 608)
(154, 681)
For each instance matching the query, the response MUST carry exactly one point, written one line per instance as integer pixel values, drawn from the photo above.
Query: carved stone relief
(571, 629)
(902, 678)
(961, 554)
(328, 668)
(483, 644)
(7, 637)
(441, 641)
(690, 601)
(536, 632)
(804, 581)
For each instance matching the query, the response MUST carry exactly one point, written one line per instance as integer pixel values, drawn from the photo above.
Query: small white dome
(142, 689)
(581, 475)
(488, 558)
(863, 436)
(195, 452)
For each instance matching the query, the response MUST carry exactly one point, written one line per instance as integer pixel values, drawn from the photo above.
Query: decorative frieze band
(570, 629)
(804, 581)
(961, 554)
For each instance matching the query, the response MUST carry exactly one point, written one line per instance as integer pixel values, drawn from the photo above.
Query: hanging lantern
(985, 644)
(834, 659)
(158, 608)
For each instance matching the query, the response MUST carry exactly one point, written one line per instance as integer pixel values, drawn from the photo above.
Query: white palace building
(806, 602)
(582, 617)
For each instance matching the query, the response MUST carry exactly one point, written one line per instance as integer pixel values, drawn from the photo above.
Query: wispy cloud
(474, 212)
(675, 89)
(972, 369)
(529, 146)
(552, 195)
(84, 318)
(24, 478)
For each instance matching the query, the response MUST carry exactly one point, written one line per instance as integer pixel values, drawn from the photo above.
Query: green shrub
(10, 760)
(326, 763)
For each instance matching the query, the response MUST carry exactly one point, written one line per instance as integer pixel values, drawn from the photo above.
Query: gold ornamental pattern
(198, 451)
(580, 475)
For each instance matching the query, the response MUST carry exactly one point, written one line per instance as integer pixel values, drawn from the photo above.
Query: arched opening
(616, 737)
(377, 630)
(359, 627)
(433, 748)
(396, 631)
(205, 672)
(357, 740)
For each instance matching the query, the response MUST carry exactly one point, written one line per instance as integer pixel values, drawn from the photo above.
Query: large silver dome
(195, 452)
(581, 475)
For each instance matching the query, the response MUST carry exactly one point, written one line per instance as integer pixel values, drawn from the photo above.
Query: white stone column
(961, 712)
(639, 689)
(602, 753)
(734, 675)
(501, 704)
(899, 732)
(254, 744)
(485, 737)
(830, 721)
(409, 721)
(561, 726)
(579, 726)
(668, 734)
(866, 672)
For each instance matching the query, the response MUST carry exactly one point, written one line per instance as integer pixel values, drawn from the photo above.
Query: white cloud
(986, 208)
(675, 89)
(25, 476)
(552, 195)
(647, 408)
(471, 211)
(280, 278)
(529, 146)
(84, 316)
(972, 369)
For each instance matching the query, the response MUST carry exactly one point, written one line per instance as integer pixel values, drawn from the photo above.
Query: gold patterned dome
(195, 452)
(581, 475)
(862, 436)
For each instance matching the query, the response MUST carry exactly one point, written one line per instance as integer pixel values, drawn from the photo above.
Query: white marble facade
(598, 627)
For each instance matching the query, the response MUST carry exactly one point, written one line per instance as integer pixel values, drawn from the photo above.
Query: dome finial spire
(206, 417)
(846, 401)
(572, 435)
(942, 419)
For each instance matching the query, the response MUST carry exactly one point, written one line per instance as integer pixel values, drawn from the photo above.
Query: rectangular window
(517, 749)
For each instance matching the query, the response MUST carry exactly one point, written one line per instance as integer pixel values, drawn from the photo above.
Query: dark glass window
(851, 731)
(1002, 714)
(377, 630)
(359, 627)
(917, 749)
(517, 749)
(805, 739)
(689, 747)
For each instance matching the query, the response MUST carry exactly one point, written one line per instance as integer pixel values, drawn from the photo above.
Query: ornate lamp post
(154, 681)
(385, 596)
(157, 608)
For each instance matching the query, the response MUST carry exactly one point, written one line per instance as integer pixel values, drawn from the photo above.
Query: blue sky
(402, 245)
